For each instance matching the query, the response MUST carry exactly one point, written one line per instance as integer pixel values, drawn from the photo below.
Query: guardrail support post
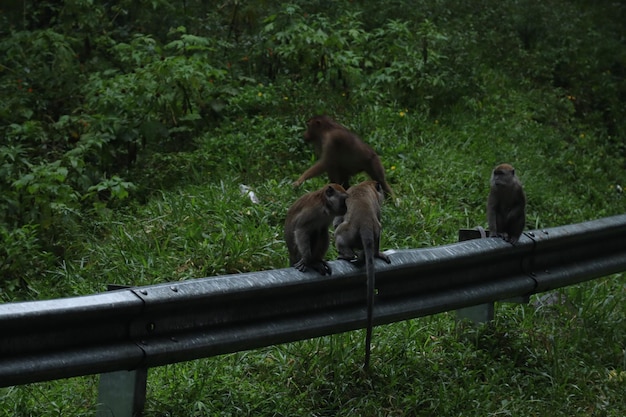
(522, 299)
(481, 313)
(122, 393)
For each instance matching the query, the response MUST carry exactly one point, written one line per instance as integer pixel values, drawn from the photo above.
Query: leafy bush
(21, 257)
(313, 47)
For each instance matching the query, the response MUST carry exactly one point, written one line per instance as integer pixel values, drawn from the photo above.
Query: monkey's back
(363, 212)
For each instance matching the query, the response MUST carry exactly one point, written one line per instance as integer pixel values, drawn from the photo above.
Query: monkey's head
(316, 126)
(503, 174)
(379, 191)
(374, 189)
(336, 196)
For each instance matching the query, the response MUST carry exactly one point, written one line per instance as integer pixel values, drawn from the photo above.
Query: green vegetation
(126, 130)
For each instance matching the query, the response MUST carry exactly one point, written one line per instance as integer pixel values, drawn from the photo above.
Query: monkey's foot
(512, 239)
(383, 257)
(321, 267)
(300, 265)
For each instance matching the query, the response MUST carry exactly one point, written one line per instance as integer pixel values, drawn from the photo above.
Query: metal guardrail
(150, 326)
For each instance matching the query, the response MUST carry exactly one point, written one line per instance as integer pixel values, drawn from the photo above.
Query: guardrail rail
(143, 327)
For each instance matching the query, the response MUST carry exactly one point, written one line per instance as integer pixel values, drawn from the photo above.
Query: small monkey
(306, 227)
(506, 205)
(361, 229)
(341, 154)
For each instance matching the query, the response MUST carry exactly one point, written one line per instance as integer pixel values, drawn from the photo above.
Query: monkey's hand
(296, 184)
(355, 259)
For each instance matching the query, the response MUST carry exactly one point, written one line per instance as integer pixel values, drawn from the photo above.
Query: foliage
(127, 128)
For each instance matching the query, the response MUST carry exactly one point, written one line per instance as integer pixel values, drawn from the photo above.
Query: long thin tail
(368, 249)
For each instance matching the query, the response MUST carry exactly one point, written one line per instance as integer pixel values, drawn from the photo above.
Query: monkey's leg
(376, 172)
(378, 253)
(348, 255)
(304, 242)
(343, 242)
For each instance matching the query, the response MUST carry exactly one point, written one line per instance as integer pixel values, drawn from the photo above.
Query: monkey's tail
(368, 251)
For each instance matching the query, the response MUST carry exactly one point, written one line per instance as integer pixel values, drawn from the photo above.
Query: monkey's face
(502, 175)
(340, 203)
(312, 130)
(342, 207)
(500, 179)
(336, 199)
(307, 136)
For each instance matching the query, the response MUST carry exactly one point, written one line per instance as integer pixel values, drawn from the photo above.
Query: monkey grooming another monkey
(506, 205)
(306, 227)
(361, 229)
(341, 154)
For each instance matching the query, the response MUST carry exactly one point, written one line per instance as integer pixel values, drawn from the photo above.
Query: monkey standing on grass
(361, 229)
(341, 154)
(306, 227)
(506, 205)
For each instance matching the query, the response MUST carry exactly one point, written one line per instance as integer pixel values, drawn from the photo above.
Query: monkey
(306, 227)
(506, 204)
(341, 154)
(361, 229)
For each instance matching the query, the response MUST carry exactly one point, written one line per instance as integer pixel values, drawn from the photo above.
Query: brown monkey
(506, 205)
(341, 154)
(306, 227)
(361, 229)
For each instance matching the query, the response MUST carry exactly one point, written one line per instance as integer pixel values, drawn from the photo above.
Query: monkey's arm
(492, 221)
(516, 220)
(516, 213)
(302, 239)
(316, 170)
